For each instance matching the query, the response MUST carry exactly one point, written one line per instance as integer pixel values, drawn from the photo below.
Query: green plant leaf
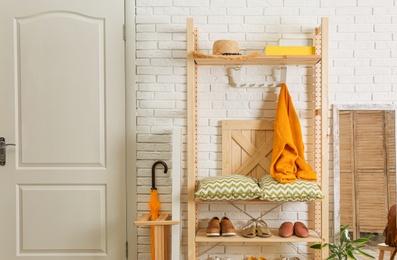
(344, 236)
(333, 247)
(362, 240)
(359, 247)
(350, 255)
(342, 228)
(350, 247)
(317, 246)
(365, 254)
(347, 247)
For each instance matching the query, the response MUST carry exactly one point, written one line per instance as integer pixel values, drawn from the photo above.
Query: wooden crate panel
(247, 147)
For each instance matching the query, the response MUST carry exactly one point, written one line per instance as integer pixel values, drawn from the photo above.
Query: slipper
(262, 230)
(249, 230)
(286, 229)
(300, 229)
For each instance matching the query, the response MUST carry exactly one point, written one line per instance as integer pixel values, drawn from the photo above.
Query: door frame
(132, 234)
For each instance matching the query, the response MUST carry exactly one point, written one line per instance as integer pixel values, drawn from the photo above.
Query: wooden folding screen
(367, 169)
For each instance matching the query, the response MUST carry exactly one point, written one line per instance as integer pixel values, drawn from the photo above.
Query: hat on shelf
(225, 49)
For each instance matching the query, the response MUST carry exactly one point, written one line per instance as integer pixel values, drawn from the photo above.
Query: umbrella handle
(154, 172)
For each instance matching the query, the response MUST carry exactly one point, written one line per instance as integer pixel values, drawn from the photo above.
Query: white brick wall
(362, 69)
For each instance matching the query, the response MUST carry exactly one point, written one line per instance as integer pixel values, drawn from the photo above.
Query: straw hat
(225, 47)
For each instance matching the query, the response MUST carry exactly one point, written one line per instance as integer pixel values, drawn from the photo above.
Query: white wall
(362, 69)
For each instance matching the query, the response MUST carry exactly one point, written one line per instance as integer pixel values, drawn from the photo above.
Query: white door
(62, 92)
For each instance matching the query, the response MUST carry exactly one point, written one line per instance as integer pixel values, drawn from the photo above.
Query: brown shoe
(213, 228)
(286, 229)
(300, 230)
(227, 228)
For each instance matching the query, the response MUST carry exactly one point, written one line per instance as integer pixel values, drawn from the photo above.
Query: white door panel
(62, 91)
(74, 208)
(76, 78)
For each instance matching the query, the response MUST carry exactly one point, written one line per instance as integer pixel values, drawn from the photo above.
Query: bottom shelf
(275, 238)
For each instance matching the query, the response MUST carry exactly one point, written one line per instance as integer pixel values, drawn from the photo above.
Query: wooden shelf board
(162, 220)
(262, 60)
(275, 238)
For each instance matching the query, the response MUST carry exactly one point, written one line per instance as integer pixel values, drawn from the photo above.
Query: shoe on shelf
(213, 228)
(249, 230)
(227, 228)
(300, 230)
(252, 258)
(286, 229)
(262, 230)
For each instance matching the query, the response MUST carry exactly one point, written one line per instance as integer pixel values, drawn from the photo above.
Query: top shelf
(262, 60)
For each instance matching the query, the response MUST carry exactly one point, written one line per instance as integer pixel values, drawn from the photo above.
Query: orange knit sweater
(288, 161)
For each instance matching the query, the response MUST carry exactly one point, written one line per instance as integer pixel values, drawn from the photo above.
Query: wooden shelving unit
(320, 214)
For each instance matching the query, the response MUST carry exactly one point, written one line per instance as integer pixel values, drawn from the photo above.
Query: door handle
(3, 146)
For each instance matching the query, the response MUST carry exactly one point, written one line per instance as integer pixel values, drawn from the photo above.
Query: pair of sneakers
(218, 228)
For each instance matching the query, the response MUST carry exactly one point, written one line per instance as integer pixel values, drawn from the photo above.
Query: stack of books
(298, 46)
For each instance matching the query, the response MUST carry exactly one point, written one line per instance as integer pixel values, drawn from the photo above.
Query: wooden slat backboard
(247, 147)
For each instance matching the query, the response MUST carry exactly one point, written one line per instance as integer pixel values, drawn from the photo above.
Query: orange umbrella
(154, 203)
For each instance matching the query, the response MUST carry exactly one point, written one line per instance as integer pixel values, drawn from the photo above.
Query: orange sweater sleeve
(288, 162)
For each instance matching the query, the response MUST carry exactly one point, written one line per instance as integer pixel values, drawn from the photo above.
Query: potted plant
(346, 248)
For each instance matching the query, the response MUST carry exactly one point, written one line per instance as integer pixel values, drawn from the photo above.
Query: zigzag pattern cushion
(228, 187)
(299, 190)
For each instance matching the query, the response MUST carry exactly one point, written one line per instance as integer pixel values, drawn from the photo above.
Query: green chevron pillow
(228, 187)
(299, 190)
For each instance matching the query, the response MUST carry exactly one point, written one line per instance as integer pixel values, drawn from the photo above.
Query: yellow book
(290, 50)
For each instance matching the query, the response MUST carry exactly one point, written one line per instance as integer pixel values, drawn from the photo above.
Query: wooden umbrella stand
(161, 232)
